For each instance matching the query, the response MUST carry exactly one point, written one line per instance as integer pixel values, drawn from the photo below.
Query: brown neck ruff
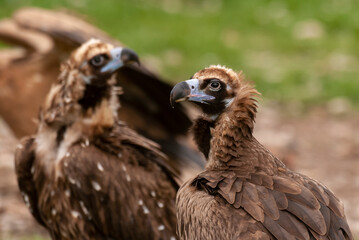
(66, 104)
(232, 145)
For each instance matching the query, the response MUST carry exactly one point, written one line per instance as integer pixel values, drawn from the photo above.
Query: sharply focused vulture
(87, 175)
(41, 39)
(245, 192)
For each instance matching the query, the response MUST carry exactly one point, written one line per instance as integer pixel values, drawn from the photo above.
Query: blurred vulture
(87, 175)
(245, 191)
(44, 39)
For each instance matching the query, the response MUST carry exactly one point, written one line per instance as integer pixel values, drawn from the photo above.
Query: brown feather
(45, 38)
(268, 203)
(319, 193)
(305, 198)
(250, 203)
(277, 231)
(334, 204)
(293, 225)
(24, 160)
(246, 192)
(226, 184)
(312, 218)
(94, 177)
(285, 185)
(202, 134)
(238, 200)
(281, 199)
(237, 185)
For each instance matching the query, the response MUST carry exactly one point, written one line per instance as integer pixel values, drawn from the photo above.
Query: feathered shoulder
(286, 206)
(119, 137)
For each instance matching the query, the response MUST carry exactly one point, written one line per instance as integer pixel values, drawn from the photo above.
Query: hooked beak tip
(128, 56)
(120, 57)
(179, 93)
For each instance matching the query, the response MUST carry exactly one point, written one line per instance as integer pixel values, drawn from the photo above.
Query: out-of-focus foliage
(294, 51)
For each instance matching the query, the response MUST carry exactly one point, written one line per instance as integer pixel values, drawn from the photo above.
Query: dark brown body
(246, 192)
(232, 204)
(124, 193)
(87, 175)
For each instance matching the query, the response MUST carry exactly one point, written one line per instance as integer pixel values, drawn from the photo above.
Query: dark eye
(215, 86)
(98, 60)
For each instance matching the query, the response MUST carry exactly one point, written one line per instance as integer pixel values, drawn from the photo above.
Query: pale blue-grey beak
(119, 58)
(189, 90)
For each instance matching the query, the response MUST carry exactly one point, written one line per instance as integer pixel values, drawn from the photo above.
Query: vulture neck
(102, 111)
(89, 109)
(65, 120)
(232, 144)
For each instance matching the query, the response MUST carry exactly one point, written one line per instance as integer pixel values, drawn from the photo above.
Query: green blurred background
(298, 53)
(295, 51)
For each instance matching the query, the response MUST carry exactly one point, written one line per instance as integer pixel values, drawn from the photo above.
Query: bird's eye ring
(97, 60)
(215, 86)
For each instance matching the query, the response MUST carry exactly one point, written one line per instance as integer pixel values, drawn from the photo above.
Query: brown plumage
(85, 174)
(246, 192)
(41, 39)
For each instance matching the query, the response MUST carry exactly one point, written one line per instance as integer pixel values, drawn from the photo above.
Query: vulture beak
(189, 90)
(120, 57)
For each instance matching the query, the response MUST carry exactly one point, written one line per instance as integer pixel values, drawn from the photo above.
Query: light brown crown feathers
(242, 110)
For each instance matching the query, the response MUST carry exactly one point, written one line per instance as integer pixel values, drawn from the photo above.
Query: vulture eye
(215, 85)
(98, 60)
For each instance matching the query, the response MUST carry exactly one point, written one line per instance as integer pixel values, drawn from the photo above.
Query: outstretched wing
(24, 159)
(288, 207)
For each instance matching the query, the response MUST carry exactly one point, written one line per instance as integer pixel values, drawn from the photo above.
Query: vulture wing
(288, 207)
(123, 170)
(121, 135)
(24, 159)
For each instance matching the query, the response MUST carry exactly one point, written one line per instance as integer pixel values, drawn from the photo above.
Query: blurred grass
(295, 51)
(302, 51)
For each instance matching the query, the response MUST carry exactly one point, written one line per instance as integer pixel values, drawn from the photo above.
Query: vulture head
(91, 68)
(216, 90)
(86, 83)
(95, 61)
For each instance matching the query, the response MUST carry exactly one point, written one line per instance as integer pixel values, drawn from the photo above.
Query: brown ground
(323, 146)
